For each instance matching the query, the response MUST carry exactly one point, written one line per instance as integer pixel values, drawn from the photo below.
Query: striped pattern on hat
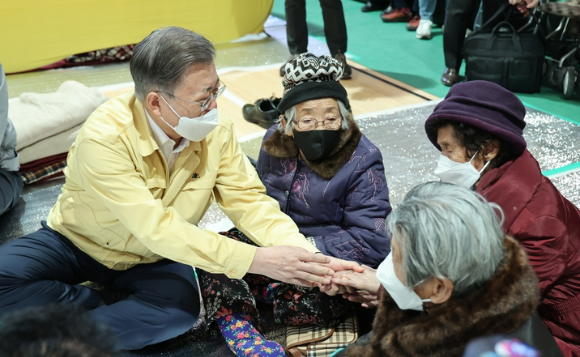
(310, 68)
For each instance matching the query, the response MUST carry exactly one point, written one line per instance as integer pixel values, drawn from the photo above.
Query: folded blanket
(39, 116)
(56, 144)
(42, 163)
(44, 173)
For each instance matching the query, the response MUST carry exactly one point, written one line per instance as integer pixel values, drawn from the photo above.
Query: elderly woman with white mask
(452, 275)
(478, 128)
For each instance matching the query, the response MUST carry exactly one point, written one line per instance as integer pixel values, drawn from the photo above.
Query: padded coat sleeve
(364, 236)
(545, 240)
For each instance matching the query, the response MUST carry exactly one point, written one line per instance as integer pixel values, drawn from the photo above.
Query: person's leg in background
(459, 16)
(375, 5)
(426, 11)
(401, 12)
(10, 189)
(414, 22)
(10, 180)
(335, 32)
(296, 29)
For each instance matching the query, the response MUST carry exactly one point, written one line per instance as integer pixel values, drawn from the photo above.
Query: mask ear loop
(419, 283)
(170, 107)
(484, 166)
(474, 155)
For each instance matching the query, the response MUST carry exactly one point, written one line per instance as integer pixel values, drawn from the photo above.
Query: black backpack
(504, 56)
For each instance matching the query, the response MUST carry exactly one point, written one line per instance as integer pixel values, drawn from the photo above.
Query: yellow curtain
(35, 33)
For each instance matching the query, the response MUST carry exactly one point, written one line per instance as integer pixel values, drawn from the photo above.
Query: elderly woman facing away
(329, 178)
(452, 275)
(478, 129)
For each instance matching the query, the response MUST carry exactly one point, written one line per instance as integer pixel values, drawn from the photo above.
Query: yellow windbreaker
(119, 205)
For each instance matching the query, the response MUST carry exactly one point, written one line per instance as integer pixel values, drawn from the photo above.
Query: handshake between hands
(331, 275)
(358, 284)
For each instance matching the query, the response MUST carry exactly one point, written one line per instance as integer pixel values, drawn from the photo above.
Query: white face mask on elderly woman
(194, 129)
(461, 174)
(405, 297)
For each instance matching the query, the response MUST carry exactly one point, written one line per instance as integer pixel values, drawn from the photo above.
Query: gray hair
(290, 115)
(450, 232)
(162, 60)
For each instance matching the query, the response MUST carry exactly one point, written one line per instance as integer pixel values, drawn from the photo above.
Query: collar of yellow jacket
(146, 142)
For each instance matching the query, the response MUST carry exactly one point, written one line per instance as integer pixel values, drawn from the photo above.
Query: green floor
(392, 50)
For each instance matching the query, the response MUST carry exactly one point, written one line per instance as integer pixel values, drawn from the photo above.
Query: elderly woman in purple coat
(329, 178)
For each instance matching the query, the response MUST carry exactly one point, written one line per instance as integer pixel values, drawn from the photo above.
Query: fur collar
(501, 305)
(282, 146)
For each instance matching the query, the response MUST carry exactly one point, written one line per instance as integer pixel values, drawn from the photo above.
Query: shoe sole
(396, 20)
(424, 37)
(260, 123)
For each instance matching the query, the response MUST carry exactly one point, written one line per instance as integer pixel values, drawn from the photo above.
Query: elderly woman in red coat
(478, 129)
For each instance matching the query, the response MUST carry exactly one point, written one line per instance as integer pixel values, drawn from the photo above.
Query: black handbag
(504, 56)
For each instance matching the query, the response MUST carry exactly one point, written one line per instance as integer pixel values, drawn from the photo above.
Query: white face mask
(461, 174)
(195, 129)
(405, 297)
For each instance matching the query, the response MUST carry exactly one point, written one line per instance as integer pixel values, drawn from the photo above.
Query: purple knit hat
(486, 106)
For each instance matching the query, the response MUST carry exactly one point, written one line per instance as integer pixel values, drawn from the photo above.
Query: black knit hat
(309, 77)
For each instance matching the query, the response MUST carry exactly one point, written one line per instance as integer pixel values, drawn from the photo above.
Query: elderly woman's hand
(333, 289)
(366, 299)
(365, 280)
(343, 265)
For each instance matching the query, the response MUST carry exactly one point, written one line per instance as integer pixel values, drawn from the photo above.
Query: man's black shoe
(264, 112)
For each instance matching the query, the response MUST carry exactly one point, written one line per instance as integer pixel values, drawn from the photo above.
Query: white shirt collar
(165, 143)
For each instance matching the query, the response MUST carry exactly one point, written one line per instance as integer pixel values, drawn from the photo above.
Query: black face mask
(316, 144)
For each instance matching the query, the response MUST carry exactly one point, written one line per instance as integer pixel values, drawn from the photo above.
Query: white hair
(290, 116)
(450, 232)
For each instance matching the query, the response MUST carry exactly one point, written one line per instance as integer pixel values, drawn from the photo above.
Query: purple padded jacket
(341, 201)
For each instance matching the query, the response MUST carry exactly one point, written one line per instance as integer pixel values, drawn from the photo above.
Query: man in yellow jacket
(141, 174)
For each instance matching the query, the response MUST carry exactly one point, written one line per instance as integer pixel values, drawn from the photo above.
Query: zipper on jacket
(292, 185)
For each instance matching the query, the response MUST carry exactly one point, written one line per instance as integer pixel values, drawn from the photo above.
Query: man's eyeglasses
(205, 104)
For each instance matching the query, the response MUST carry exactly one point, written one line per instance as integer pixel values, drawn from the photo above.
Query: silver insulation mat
(410, 158)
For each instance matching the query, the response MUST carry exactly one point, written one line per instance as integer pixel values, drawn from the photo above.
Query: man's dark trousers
(334, 26)
(45, 267)
(459, 16)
